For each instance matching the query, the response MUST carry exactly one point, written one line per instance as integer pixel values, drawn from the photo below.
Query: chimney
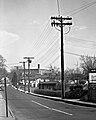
(38, 66)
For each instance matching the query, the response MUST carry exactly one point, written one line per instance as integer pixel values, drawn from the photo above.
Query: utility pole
(18, 75)
(61, 24)
(6, 97)
(29, 61)
(24, 75)
(77, 72)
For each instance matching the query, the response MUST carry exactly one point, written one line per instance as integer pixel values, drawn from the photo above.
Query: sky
(25, 30)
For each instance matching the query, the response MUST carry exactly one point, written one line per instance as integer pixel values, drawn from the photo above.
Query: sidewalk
(3, 110)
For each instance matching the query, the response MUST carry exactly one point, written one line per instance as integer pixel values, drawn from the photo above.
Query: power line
(49, 58)
(71, 44)
(80, 42)
(58, 7)
(42, 36)
(80, 8)
(79, 39)
(84, 8)
(82, 45)
(12, 64)
(48, 52)
(50, 45)
(46, 42)
(77, 10)
(73, 54)
(55, 59)
(41, 57)
(65, 53)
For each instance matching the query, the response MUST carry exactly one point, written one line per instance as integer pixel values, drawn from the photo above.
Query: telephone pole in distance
(18, 75)
(29, 61)
(24, 75)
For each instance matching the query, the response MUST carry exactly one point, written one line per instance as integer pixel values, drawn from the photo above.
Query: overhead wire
(42, 37)
(46, 42)
(66, 52)
(53, 61)
(83, 8)
(73, 54)
(12, 64)
(58, 7)
(58, 13)
(81, 45)
(50, 58)
(43, 57)
(80, 41)
(49, 54)
(54, 39)
(60, 55)
(80, 9)
(49, 50)
(46, 29)
(70, 53)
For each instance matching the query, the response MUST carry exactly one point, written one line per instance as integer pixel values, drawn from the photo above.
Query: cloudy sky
(25, 30)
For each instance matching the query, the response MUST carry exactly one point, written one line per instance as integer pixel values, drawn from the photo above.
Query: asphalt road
(29, 107)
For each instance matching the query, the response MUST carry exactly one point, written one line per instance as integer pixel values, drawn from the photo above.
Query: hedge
(48, 92)
(69, 95)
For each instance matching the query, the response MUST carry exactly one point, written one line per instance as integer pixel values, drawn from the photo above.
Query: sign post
(6, 97)
(92, 76)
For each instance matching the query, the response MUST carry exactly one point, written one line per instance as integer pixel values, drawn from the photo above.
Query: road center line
(51, 108)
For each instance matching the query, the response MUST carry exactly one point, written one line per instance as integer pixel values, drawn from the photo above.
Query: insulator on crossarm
(52, 24)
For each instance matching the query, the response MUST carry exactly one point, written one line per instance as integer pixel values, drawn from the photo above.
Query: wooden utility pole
(24, 75)
(77, 72)
(29, 61)
(61, 24)
(6, 97)
(18, 75)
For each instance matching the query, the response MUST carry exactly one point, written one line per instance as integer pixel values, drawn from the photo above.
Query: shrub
(48, 92)
(75, 94)
(72, 95)
(84, 93)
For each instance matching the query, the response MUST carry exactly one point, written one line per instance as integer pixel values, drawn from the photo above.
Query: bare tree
(87, 62)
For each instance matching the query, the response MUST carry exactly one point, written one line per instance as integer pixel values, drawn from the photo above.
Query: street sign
(92, 70)
(92, 77)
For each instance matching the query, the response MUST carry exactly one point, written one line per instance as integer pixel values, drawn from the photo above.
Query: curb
(81, 103)
(75, 102)
(72, 101)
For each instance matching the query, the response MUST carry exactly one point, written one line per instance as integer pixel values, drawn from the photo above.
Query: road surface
(29, 107)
